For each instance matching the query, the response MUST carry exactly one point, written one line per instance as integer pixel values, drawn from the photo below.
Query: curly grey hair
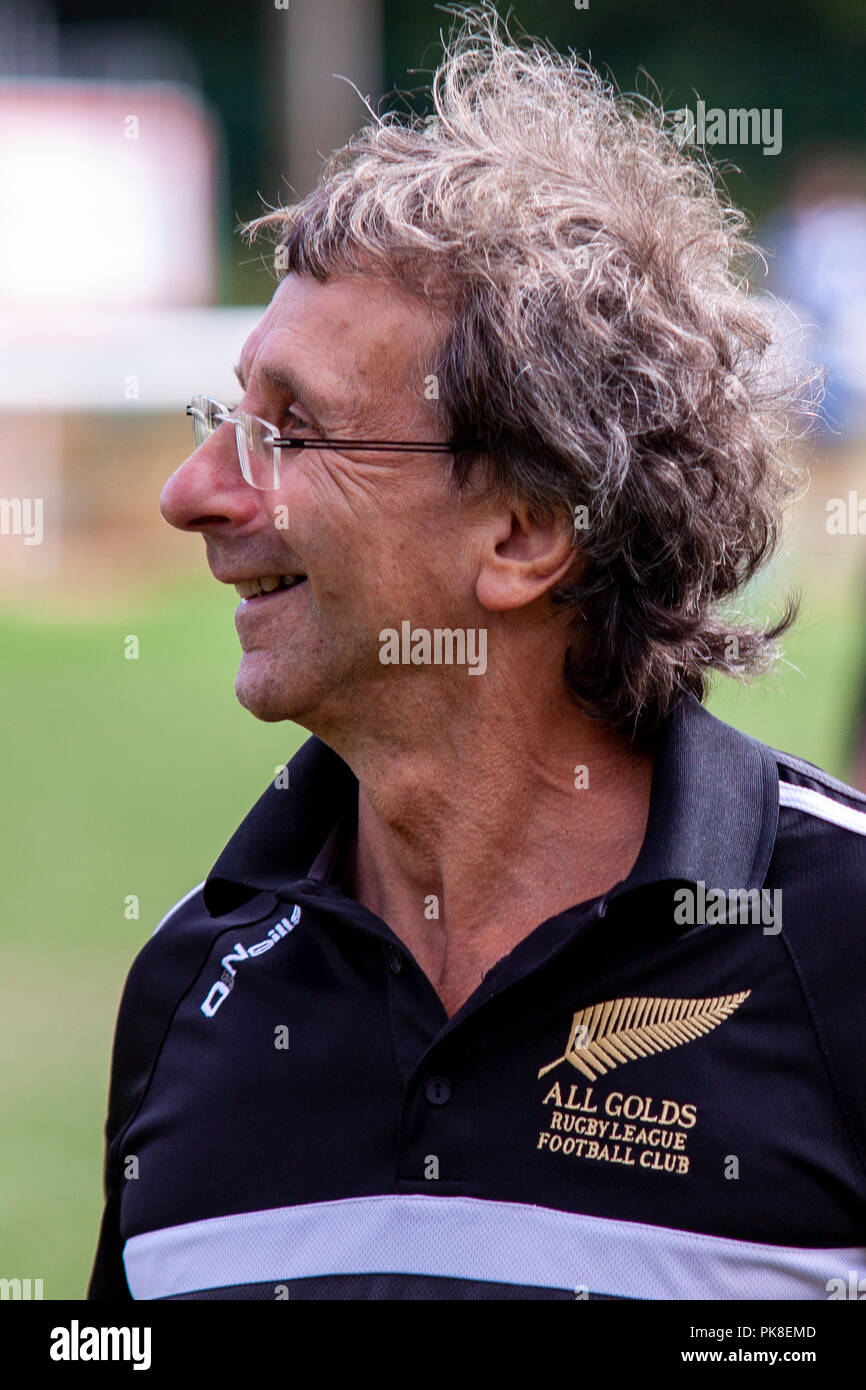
(603, 346)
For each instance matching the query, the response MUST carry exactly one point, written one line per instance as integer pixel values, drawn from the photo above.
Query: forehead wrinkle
(388, 386)
(284, 379)
(391, 382)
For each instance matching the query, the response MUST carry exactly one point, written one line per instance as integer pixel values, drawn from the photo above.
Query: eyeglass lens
(258, 459)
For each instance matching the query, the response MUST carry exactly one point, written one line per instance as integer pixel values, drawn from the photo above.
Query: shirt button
(438, 1090)
(395, 960)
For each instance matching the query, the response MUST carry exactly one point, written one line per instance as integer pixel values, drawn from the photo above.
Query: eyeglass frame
(224, 416)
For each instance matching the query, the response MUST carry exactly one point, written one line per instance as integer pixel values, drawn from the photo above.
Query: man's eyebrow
(282, 379)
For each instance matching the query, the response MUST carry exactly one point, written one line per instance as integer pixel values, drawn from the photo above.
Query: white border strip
(471, 1238)
(178, 905)
(814, 804)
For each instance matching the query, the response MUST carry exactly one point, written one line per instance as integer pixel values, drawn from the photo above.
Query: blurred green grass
(127, 777)
(121, 777)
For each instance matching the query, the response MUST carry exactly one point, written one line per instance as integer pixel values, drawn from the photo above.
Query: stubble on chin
(262, 692)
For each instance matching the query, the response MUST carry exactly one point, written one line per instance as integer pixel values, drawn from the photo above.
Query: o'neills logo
(222, 988)
(631, 1130)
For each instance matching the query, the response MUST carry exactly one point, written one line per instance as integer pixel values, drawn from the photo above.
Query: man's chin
(266, 699)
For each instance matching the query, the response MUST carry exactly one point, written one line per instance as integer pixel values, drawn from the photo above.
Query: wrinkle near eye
(351, 490)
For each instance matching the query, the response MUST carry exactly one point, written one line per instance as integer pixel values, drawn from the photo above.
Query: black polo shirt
(657, 1094)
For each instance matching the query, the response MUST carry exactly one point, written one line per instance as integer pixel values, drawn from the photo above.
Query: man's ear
(523, 557)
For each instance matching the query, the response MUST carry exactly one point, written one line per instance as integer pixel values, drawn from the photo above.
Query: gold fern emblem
(604, 1036)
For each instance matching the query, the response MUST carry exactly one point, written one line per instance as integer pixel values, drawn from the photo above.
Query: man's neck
(467, 841)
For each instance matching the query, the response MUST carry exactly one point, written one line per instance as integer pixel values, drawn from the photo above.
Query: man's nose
(208, 489)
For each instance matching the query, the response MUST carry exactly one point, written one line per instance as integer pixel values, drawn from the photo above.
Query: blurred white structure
(113, 179)
(108, 195)
(107, 360)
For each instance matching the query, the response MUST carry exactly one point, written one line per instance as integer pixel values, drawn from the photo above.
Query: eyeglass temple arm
(401, 445)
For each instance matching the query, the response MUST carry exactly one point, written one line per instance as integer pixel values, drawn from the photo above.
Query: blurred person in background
(819, 236)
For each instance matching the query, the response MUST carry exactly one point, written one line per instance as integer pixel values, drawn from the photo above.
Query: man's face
(379, 537)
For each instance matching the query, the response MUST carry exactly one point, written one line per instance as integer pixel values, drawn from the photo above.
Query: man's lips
(254, 600)
(263, 584)
(271, 583)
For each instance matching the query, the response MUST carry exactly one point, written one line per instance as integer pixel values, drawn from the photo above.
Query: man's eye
(296, 421)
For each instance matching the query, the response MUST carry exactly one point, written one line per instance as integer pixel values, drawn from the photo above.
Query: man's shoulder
(807, 802)
(818, 861)
(174, 935)
(792, 771)
(192, 900)
(809, 827)
(817, 879)
(823, 815)
(153, 986)
(819, 869)
(155, 981)
(798, 771)
(182, 938)
(164, 969)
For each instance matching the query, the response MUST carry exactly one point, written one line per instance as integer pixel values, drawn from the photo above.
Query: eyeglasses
(259, 443)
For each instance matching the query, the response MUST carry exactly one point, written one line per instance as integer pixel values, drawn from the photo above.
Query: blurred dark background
(806, 56)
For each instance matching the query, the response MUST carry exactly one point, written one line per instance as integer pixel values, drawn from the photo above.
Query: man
(528, 978)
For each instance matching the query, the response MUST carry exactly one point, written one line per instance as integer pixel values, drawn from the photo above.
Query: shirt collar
(714, 805)
(713, 815)
(286, 831)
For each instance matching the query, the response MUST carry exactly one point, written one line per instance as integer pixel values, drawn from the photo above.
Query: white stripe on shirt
(476, 1239)
(816, 804)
